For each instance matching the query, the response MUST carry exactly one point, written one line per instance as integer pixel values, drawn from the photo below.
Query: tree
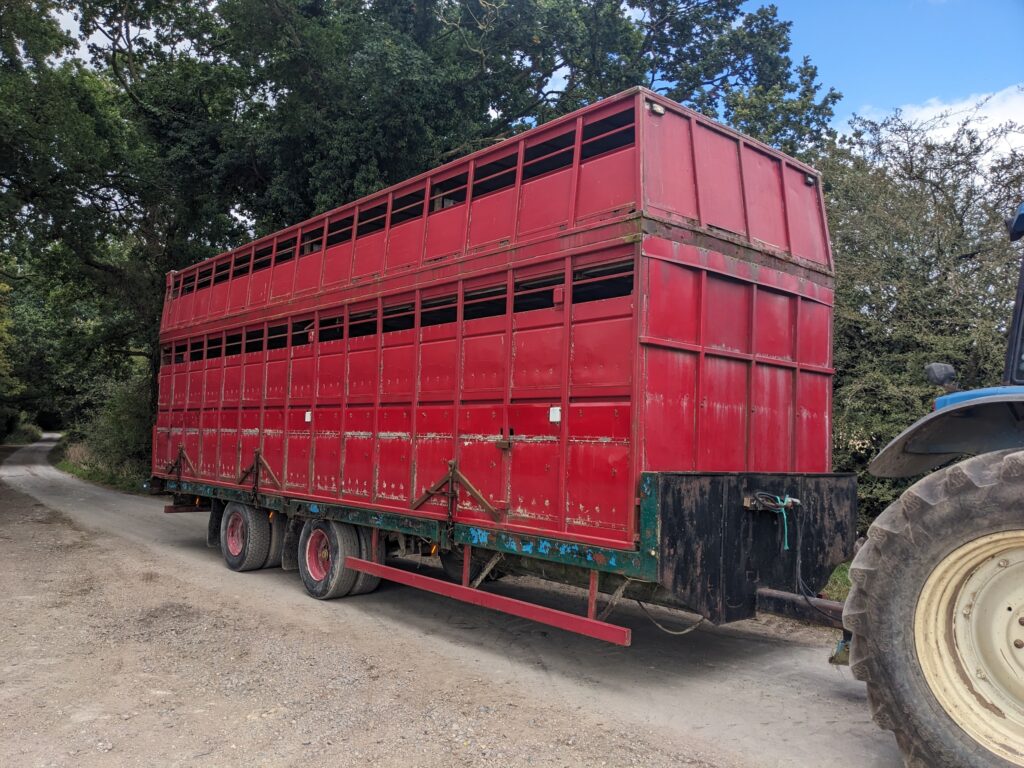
(193, 123)
(925, 272)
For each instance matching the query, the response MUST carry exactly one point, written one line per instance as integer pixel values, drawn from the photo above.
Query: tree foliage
(164, 131)
(925, 272)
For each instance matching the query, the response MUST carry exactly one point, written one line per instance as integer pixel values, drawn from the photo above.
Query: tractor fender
(967, 426)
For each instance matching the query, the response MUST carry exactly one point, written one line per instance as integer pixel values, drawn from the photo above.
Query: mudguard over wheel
(937, 616)
(244, 537)
(323, 547)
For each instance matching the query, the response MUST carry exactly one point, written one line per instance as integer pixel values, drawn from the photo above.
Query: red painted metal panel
(669, 409)
(545, 203)
(398, 367)
(232, 381)
(815, 346)
(209, 425)
(492, 218)
(600, 502)
(299, 434)
(485, 358)
(437, 366)
(536, 467)
(814, 422)
(273, 450)
(537, 351)
(338, 258)
(775, 325)
(673, 302)
(807, 224)
(277, 376)
(259, 280)
(668, 145)
(434, 447)
(394, 455)
(162, 441)
(190, 439)
(727, 314)
(228, 453)
(717, 361)
(253, 375)
(358, 442)
(327, 423)
(602, 350)
(248, 439)
(238, 287)
(762, 182)
(363, 372)
(771, 419)
(722, 431)
(570, 622)
(718, 175)
(481, 460)
(607, 183)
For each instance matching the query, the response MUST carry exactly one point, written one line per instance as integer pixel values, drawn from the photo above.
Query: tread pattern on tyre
(278, 524)
(257, 540)
(340, 581)
(978, 491)
(365, 583)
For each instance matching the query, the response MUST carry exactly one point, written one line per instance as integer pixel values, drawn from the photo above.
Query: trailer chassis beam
(571, 622)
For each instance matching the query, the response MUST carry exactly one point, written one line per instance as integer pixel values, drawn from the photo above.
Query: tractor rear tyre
(244, 537)
(937, 616)
(323, 547)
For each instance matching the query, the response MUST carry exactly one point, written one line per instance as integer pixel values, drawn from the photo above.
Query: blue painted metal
(956, 398)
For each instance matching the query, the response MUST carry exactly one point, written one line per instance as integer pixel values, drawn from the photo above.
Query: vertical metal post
(592, 595)
(467, 559)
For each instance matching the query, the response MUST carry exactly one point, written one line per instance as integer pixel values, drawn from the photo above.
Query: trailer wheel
(365, 583)
(244, 537)
(937, 616)
(323, 547)
(278, 525)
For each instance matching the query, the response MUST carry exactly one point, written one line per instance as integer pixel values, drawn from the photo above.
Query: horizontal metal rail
(570, 622)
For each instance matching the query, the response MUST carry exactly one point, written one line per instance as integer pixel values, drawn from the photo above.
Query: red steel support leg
(375, 545)
(467, 559)
(570, 622)
(592, 597)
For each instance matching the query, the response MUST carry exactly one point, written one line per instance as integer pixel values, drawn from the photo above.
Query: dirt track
(125, 641)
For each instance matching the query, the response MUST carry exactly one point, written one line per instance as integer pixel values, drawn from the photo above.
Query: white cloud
(995, 109)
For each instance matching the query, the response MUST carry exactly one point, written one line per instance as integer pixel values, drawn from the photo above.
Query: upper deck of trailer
(632, 154)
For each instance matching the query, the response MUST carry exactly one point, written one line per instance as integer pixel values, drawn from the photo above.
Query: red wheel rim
(236, 534)
(318, 555)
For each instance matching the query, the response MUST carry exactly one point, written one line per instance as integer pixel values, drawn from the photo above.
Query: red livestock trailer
(599, 351)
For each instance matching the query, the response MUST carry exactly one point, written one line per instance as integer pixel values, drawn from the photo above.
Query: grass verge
(838, 586)
(69, 457)
(24, 434)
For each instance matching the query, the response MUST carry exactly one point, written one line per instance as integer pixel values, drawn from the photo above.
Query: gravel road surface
(125, 641)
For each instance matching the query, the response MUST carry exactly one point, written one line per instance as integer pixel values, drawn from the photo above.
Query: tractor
(936, 609)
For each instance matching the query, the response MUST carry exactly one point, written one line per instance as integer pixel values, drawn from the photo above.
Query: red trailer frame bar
(553, 617)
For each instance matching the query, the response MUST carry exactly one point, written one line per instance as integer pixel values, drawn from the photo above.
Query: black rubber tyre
(931, 524)
(366, 583)
(278, 525)
(244, 537)
(323, 547)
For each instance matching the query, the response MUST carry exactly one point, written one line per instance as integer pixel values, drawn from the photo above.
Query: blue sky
(919, 53)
